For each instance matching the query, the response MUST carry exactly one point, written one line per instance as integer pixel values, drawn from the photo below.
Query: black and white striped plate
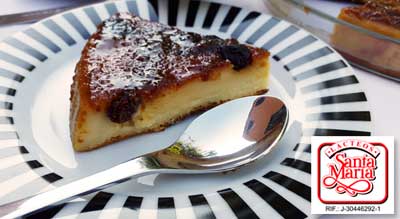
(36, 67)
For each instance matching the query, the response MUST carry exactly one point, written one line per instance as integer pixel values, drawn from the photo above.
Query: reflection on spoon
(224, 137)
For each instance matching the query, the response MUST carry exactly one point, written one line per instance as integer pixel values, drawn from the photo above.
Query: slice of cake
(381, 16)
(137, 76)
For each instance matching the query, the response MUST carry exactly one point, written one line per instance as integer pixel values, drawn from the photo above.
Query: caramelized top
(128, 56)
(359, 1)
(383, 11)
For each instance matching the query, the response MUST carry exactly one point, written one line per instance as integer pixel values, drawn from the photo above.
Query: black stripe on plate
(132, 7)
(280, 37)
(334, 132)
(238, 206)
(293, 185)
(153, 10)
(23, 150)
(295, 47)
(201, 208)
(172, 12)
(51, 177)
(33, 164)
(297, 164)
(192, 12)
(337, 82)
(34, 34)
(71, 18)
(11, 75)
(166, 208)
(133, 202)
(16, 61)
(307, 58)
(346, 116)
(342, 98)
(48, 213)
(98, 202)
(16, 43)
(320, 70)
(6, 120)
(210, 16)
(276, 201)
(8, 135)
(245, 23)
(93, 16)
(7, 91)
(55, 28)
(131, 207)
(306, 147)
(6, 105)
(111, 8)
(229, 18)
(262, 30)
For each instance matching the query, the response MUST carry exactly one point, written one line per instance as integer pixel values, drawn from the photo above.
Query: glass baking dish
(365, 49)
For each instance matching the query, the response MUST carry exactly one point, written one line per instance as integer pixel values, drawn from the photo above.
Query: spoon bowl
(227, 136)
(222, 139)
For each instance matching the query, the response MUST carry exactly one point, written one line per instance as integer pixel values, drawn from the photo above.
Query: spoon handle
(115, 175)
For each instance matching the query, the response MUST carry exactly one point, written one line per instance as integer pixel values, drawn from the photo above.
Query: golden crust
(382, 26)
(165, 125)
(80, 130)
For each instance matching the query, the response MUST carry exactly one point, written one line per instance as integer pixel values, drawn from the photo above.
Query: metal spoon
(222, 139)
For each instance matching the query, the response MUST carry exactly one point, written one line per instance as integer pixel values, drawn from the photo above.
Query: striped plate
(36, 67)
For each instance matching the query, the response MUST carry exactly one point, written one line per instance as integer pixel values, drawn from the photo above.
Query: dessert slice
(137, 76)
(381, 16)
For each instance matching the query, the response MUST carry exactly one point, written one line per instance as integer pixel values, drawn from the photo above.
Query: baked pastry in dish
(366, 1)
(381, 16)
(137, 76)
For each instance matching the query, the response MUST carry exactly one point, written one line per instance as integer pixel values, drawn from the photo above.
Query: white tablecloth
(383, 94)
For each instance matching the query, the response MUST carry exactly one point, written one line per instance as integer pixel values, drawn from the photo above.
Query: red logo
(349, 168)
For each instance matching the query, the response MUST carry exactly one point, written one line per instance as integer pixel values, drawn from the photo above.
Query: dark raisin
(122, 108)
(195, 37)
(238, 55)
